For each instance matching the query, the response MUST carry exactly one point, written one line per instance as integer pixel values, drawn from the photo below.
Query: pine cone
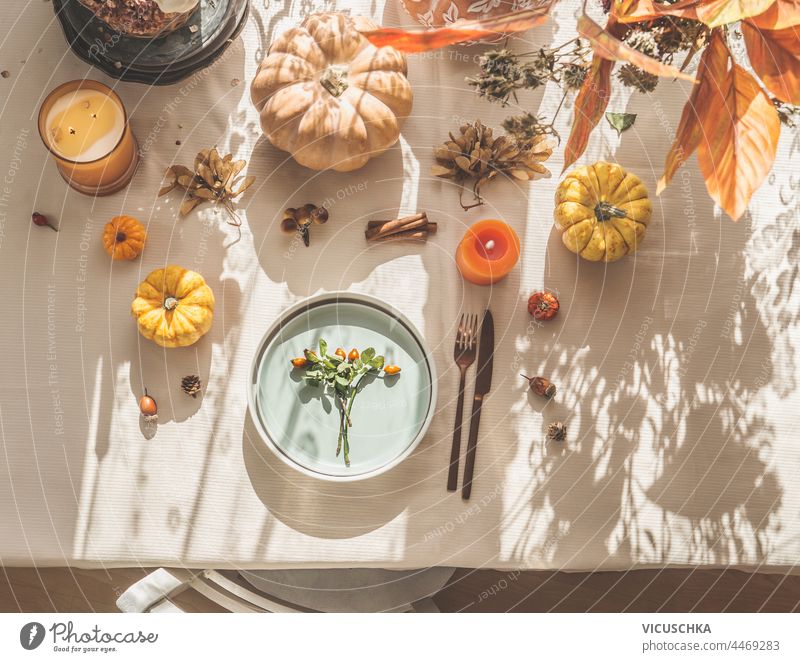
(557, 431)
(191, 385)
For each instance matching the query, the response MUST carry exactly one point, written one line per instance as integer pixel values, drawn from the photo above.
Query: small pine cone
(631, 76)
(557, 431)
(191, 385)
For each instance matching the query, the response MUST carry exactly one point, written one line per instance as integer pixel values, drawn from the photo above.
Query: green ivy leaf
(323, 347)
(377, 362)
(311, 356)
(621, 121)
(367, 355)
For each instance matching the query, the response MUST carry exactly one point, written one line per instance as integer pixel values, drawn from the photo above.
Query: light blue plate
(300, 421)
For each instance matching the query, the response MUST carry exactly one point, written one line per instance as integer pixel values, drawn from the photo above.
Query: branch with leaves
(732, 118)
(343, 374)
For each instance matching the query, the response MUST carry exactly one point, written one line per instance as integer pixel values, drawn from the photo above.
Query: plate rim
(307, 304)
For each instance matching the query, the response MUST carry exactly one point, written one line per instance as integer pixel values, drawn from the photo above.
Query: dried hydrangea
(476, 155)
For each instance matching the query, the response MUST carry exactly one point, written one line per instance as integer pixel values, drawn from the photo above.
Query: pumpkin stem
(604, 211)
(121, 236)
(334, 79)
(170, 303)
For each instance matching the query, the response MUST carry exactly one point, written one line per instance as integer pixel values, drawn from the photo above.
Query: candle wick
(71, 131)
(489, 245)
(94, 116)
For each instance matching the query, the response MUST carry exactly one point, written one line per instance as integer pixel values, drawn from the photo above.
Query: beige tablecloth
(677, 369)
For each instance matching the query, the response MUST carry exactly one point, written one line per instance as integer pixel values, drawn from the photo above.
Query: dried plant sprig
(503, 72)
(476, 155)
(215, 179)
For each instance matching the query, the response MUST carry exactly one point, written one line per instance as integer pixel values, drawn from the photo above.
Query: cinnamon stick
(414, 221)
(413, 234)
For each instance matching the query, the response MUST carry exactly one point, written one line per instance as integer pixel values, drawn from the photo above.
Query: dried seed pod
(541, 386)
(148, 408)
(319, 215)
(557, 431)
(543, 306)
(288, 225)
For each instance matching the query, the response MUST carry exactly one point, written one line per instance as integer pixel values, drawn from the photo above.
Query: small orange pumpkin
(124, 237)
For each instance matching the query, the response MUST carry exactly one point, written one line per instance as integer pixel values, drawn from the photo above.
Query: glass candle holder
(488, 252)
(85, 127)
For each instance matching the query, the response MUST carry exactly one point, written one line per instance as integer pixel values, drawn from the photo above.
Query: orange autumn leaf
(782, 14)
(417, 41)
(775, 57)
(590, 104)
(711, 72)
(711, 12)
(609, 47)
(740, 139)
(636, 11)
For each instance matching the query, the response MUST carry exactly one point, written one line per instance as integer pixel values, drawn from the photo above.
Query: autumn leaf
(608, 46)
(417, 41)
(711, 12)
(782, 14)
(775, 57)
(711, 72)
(740, 139)
(590, 104)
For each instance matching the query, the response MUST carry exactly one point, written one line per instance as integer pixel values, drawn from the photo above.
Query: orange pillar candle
(84, 125)
(488, 252)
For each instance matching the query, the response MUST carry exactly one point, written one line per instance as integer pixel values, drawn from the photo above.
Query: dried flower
(299, 220)
(477, 155)
(214, 179)
(632, 76)
(557, 431)
(191, 385)
(502, 72)
(573, 76)
(528, 127)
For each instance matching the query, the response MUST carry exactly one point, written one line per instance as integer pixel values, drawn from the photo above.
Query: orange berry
(299, 362)
(353, 355)
(341, 353)
(391, 369)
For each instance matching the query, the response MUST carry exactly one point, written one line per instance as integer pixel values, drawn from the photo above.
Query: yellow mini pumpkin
(173, 307)
(328, 96)
(124, 237)
(602, 211)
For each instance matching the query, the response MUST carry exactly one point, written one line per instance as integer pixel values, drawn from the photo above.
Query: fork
(464, 356)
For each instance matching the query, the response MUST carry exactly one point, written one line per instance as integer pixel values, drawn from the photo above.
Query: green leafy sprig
(344, 378)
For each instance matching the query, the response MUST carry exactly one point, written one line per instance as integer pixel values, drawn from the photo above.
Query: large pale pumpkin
(602, 211)
(328, 96)
(173, 307)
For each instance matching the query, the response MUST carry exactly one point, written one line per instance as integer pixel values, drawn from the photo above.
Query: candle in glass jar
(488, 252)
(84, 125)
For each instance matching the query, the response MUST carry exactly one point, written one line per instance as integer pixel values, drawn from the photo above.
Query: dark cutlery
(464, 356)
(483, 382)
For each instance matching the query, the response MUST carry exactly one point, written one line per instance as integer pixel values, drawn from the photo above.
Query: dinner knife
(483, 382)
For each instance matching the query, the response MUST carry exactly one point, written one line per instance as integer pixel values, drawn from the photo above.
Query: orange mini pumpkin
(124, 237)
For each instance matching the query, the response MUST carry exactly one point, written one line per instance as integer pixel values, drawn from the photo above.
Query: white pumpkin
(328, 96)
